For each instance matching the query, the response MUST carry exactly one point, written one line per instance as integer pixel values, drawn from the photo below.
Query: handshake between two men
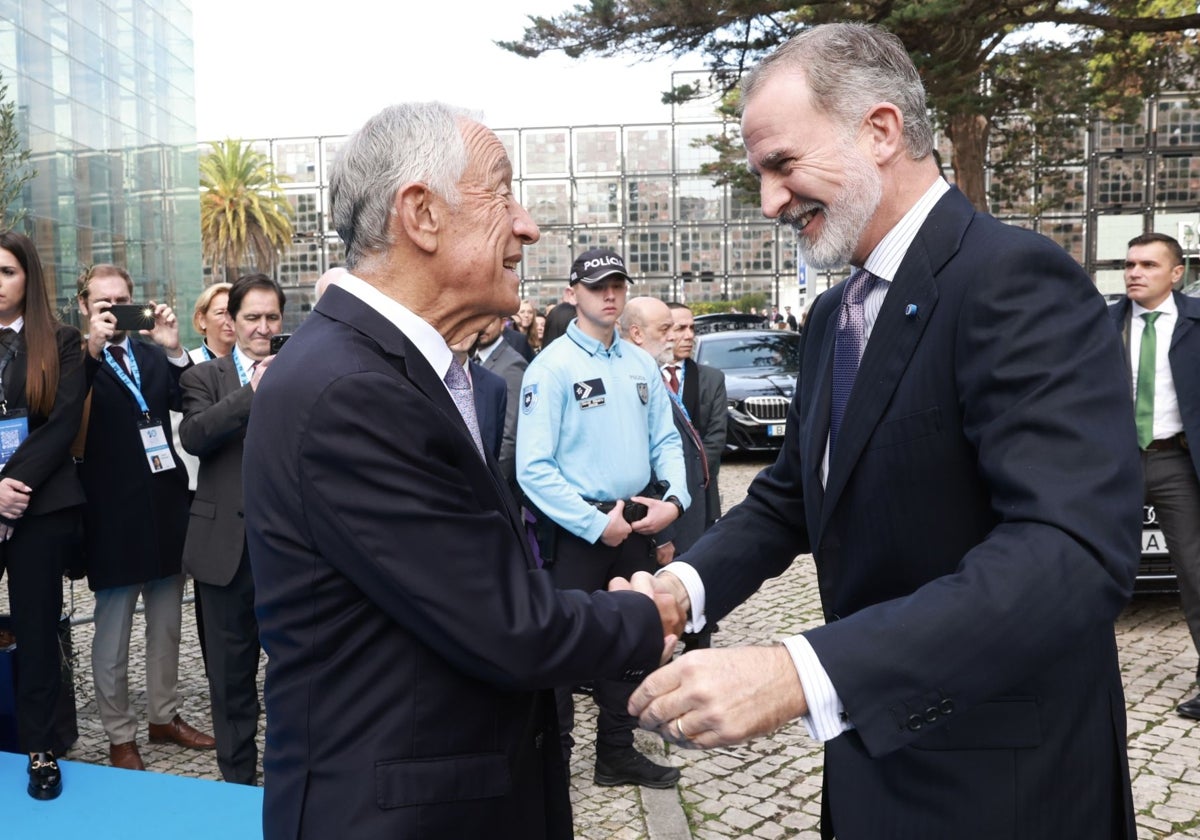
(711, 697)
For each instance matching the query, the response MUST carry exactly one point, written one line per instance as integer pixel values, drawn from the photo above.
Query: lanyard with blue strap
(678, 397)
(243, 377)
(14, 425)
(154, 439)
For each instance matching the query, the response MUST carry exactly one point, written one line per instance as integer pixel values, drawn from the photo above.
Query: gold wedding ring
(683, 736)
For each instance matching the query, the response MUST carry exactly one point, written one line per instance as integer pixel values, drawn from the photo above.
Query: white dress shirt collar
(416, 329)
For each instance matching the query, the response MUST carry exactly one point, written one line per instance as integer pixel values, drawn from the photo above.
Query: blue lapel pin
(910, 311)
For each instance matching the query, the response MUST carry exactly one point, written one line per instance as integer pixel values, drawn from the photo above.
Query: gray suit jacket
(510, 364)
(216, 408)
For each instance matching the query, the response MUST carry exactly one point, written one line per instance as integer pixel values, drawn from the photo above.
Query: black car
(1155, 572)
(760, 368)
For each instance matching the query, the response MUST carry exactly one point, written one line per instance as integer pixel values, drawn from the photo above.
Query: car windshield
(776, 350)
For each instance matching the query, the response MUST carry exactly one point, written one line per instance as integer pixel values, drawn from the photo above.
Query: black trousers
(582, 565)
(34, 557)
(1173, 489)
(233, 651)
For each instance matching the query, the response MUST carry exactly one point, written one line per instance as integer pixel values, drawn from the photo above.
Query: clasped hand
(670, 613)
(713, 697)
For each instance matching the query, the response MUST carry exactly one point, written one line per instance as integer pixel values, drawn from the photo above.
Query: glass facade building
(106, 105)
(639, 189)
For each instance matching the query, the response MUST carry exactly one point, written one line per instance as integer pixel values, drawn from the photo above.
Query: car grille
(767, 409)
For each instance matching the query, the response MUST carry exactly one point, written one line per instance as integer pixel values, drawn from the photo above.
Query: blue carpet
(103, 802)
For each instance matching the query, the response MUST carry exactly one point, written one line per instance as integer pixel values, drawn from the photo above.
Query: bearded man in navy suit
(412, 640)
(960, 460)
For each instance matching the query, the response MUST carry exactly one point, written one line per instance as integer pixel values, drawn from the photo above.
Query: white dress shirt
(1167, 419)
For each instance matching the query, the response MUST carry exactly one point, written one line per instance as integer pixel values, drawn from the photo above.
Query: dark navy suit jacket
(135, 520)
(491, 404)
(975, 540)
(412, 642)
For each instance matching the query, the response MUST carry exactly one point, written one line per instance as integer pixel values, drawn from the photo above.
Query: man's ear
(884, 126)
(419, 215)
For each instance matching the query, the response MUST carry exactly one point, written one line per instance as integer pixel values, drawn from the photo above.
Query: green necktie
(1144, 408)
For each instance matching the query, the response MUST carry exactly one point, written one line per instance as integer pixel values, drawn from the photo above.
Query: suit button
(931, 714)
(915, 722)
(946, 706)
(241, 515)
(537, 740)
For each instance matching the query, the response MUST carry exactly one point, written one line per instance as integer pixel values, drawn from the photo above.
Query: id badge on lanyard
(154, 441)
(14, 428)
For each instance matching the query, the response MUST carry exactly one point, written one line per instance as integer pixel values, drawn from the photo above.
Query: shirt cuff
(691, 581)
(826, 718)
(181, 361)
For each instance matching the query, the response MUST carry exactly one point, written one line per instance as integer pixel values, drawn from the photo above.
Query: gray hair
(417, 141)
(849, 68)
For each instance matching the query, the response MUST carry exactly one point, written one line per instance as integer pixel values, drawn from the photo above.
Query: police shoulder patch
(529, 396)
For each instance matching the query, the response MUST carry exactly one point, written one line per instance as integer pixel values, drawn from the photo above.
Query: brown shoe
(177, 731)
(125, 756)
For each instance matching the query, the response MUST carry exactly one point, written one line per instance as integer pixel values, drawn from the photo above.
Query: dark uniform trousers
(582, 565)
(1173, 489)
(233, 653)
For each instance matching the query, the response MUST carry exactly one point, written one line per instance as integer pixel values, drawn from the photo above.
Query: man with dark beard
(963, 469)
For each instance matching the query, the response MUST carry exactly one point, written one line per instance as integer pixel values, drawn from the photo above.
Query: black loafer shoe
(630, 767)
(1190, 708)
(45, 780)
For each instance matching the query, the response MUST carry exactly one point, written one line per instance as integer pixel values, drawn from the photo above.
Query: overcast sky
(278, 68)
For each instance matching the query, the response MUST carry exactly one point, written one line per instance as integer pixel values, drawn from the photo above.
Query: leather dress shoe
(45, 780)
(630, 767)
(125, 756)
(179, 732)
(1190, 708)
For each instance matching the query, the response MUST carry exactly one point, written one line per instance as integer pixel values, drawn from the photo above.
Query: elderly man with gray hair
(412, 639)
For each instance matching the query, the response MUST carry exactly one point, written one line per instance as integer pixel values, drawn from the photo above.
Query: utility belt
(1176, 441)
(633, 511)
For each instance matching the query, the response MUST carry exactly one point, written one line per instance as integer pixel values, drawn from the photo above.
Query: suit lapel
(691, 388)
(409, 363)
(894, 337)
(1184, 321)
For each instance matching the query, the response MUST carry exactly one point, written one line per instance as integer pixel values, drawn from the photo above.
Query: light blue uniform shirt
(594, 421)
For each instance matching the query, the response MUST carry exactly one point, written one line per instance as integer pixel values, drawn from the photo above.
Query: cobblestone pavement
(769, 788)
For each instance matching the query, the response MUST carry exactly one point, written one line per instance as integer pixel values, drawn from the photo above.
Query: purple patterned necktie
(460, 389)
(848, 346)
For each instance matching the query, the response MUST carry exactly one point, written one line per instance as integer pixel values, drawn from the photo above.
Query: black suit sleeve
(49, 441)
(441, 556)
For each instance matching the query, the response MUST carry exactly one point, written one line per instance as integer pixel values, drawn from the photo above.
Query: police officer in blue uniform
(595, 422)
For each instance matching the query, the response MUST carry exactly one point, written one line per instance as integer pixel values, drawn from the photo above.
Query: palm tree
(244, 214)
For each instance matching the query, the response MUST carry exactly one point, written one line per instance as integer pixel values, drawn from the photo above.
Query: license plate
(777, 430)
(1153, 542)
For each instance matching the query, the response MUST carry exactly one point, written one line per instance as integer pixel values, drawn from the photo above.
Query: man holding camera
(136, 512)
(216, 403)
(595, 420)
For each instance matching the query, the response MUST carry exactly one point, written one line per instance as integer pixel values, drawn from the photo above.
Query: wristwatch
(675, 501)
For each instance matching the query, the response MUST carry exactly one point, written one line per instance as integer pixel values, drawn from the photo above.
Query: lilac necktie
(848, 346)
(460, 389)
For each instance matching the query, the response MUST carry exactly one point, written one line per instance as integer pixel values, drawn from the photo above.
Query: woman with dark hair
(42, 391)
